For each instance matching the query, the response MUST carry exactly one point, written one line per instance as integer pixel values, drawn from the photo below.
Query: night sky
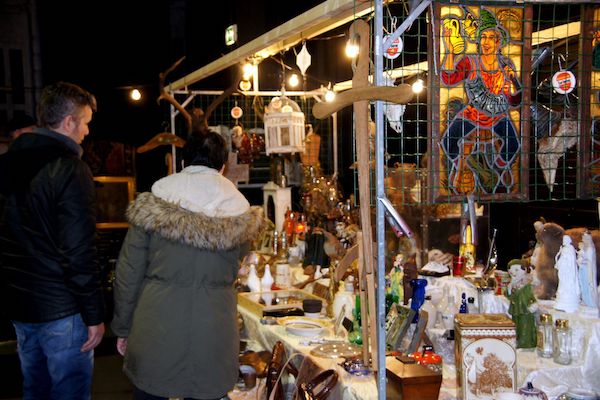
(107, 46)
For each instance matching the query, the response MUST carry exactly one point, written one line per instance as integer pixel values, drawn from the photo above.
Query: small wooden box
(411, 381)
(486, 355)
(258, 303)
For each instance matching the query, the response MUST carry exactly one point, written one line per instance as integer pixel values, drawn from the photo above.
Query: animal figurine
(549, 236)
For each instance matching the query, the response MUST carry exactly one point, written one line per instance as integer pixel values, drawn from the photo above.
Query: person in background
(175, 303)
(20, 124)
(50, 285)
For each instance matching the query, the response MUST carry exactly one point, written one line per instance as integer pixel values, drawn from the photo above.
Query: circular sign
(236, 112)
(563, 82)
(395, 48)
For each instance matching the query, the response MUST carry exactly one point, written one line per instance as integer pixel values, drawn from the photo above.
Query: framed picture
(397, 322)
(113, 195)
(478, 140)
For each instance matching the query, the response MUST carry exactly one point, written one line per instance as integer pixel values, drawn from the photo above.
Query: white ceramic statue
(586, 260)
(568, 293)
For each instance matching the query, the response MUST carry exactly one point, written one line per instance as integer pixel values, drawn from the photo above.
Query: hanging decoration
(564, 82)
(303, 59)
(237, 112)
(284, 126)
(393, 112)
(394, 50)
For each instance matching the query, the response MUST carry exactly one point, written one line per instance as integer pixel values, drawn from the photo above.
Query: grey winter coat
(175, 299)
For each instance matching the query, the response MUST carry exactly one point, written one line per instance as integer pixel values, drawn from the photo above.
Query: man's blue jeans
(52, 363)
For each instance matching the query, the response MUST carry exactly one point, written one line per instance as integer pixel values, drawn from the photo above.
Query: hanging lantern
(284, 126)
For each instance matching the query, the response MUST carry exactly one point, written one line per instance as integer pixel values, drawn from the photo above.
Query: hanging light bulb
(352, 48)
(329, 94)
(248, 70)
(245, 85)
(293, 80)
(418, 86)
(135, 95)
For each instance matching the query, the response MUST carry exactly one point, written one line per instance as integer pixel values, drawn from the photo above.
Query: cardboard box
(486, 355)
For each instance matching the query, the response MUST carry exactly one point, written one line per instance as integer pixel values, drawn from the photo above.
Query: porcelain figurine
(586, 261)
(568, 293)
(523, 304)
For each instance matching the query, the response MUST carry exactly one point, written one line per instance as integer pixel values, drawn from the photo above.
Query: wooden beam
(320, 19)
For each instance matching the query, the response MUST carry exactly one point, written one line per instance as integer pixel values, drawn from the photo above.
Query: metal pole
(379, 173)
(335, 143)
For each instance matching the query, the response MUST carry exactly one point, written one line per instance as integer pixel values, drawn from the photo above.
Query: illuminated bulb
(351, 49)
(293, 81)
(135, 95)
(248, 71)
(245, 85)
(329, 95)
(418, 86)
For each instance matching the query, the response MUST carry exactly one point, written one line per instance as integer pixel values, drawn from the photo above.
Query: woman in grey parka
(175, 303)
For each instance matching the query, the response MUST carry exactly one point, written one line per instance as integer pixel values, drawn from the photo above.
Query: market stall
(500, 123)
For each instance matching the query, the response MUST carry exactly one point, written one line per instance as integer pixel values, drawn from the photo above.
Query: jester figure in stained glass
(480, 144)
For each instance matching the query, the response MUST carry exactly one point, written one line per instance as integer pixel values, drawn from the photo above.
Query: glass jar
(562, 342)
(544, 336)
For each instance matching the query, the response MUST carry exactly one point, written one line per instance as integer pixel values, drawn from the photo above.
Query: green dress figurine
(522, 303)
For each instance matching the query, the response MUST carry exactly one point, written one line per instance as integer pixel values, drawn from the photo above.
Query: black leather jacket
(48, 266)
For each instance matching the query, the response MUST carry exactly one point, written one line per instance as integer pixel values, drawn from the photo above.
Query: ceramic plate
(336, 350)
(303, 326)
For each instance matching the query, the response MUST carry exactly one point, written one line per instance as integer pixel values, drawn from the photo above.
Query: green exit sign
(231, 34)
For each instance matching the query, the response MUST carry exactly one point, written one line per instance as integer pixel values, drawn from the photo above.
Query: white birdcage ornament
(284, 126)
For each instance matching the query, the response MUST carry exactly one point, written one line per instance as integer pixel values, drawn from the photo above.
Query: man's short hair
(60, 100)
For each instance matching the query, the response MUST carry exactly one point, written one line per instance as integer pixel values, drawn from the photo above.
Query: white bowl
(303, 326)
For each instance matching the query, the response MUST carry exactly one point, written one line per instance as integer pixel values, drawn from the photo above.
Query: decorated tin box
(486, 355)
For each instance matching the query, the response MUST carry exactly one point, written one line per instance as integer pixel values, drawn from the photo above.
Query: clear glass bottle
(431, 312)
(562, 342)
(449, 312)
(544, 336)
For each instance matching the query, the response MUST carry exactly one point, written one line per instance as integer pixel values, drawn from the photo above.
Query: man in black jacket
(49, 276)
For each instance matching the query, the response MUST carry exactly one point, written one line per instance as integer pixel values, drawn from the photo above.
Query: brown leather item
(278, 360)
(257, 360)
(323, 384)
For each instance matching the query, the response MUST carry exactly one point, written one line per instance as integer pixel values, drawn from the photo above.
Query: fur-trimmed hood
(172, 222)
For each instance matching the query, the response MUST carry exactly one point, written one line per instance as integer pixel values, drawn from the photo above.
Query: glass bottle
(463, 304)
(544, 336)
(471, 309)
(441, 306)
(431, 312)
(449, 312)
(562, 342)
(418, 297)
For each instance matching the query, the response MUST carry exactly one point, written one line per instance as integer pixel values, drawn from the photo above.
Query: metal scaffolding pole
(379, 174)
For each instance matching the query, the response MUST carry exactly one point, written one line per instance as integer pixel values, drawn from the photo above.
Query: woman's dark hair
(206, 148)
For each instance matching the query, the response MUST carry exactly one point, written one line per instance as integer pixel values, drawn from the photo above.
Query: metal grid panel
(559, 133)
